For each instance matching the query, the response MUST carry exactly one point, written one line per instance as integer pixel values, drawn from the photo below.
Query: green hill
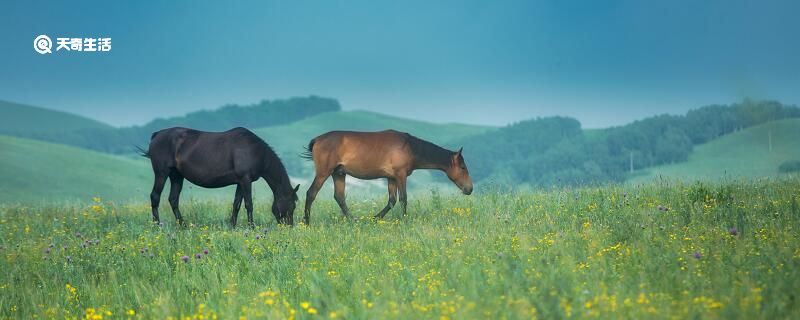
(24, 120)
(745, 153)
(36, 171)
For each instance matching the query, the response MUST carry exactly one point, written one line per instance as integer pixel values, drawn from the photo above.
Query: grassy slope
(33, 170)
(740, 154)
(575, 253)
(19, 119)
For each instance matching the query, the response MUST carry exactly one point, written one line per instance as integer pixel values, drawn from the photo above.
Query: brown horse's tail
(309, 153)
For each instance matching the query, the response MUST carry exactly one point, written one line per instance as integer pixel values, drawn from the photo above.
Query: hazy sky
(488, 62)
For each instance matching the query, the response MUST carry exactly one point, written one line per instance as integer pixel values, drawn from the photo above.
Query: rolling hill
(24, 120)
(745, 153)
(34, 171)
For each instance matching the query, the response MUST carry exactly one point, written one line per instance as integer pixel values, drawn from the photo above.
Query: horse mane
(275, 169)
(426, 152)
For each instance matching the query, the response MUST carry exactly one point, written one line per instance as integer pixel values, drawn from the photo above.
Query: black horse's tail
(308, 154)
(142, 152)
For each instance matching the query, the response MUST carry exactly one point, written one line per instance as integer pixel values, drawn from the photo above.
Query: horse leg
(338, 193)
(401, 188)
(392, 198)
(155, 195)
(176, 184)
(311, 194)
(247, 193)
(237, 204)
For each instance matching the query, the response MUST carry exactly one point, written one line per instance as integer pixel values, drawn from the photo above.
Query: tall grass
(727, 250)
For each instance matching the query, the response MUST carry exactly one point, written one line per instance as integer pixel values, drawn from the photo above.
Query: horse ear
(459, 150)
(296, 188)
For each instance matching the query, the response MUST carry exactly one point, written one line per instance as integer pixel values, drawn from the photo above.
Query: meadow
(663, 249)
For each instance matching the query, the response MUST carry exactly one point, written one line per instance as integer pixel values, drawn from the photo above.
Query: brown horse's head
(284, 204)
(458, 173)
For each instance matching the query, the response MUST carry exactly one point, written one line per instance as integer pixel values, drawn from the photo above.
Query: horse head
(458, 172)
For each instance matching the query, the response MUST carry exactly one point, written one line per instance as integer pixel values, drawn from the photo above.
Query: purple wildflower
(198, 256)
(141, 251)
(69, 258)
(47, 250)
(185, 258)
(697, 255)
(205, 252)
(258, 236)
(733, 231)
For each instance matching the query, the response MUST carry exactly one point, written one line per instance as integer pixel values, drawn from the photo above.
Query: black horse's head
(283, 206)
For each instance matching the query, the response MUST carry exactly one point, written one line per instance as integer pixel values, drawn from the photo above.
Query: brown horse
(371, 155)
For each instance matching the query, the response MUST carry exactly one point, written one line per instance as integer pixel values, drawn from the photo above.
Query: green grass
(606, 252)
(741, 154)
(24, 120)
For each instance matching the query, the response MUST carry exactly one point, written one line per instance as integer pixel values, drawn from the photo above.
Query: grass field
(740, 154)
(712, 251)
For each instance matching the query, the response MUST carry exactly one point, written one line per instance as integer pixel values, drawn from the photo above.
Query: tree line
(557, 151)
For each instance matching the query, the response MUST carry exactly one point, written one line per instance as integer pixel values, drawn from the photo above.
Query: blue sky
(489, 62)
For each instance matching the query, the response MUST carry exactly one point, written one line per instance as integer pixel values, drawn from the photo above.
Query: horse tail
(142, 152)
(309, 153)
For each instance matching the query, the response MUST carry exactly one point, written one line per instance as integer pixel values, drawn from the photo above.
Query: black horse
(215, 160)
